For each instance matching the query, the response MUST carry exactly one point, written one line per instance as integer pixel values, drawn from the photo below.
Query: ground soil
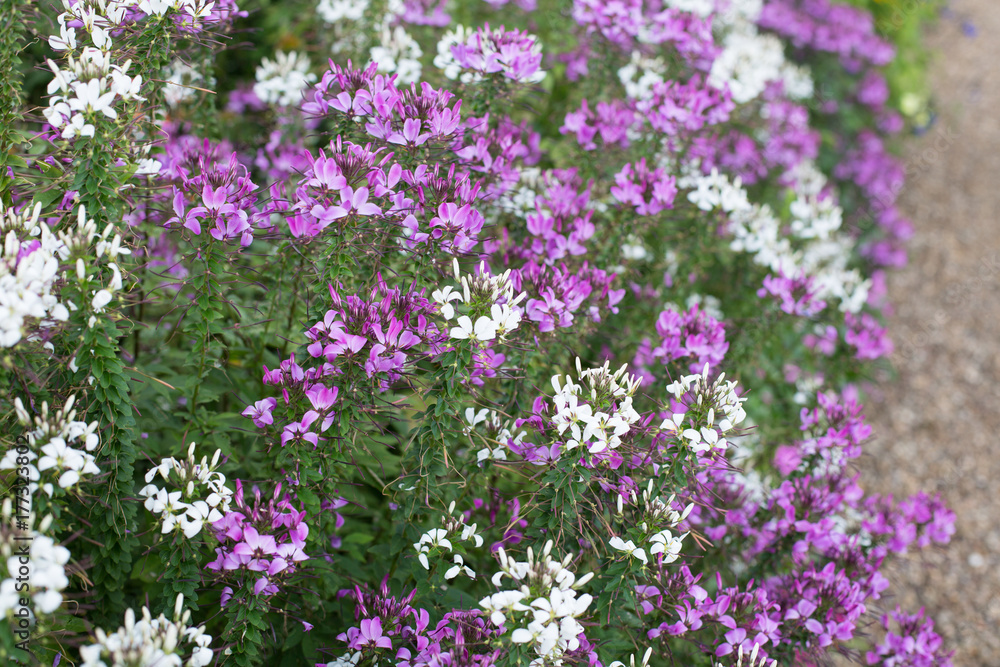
(937, 421)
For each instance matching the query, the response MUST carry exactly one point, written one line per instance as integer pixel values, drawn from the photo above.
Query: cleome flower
(203, 496)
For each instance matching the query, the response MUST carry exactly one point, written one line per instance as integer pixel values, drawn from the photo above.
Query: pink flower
(260, 412)
(369, 635)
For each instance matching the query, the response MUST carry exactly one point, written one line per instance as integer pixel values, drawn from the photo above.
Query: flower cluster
(596, 421)
(514, 54)
(818, 251)
(262, 545)
(89, 85)
(658, 537)
(691, 334)
(913, 643)
(34, 562)
(52, 437)
(694, 423)
(189, 508)
(151, 641)
(29, 270)
(437, 539)
(480, 292)
(281, 81)
(544, 607)
(224, 198)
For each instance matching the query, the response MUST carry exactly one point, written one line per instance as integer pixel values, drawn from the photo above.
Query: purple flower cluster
(261, 545)
(224, 196)
(409, 117)
(691, 334)
(913, 644)
(377, 336)
(827, 26)
(390, 626)
(514, 54)
(380, 332)
(832, 573)
(628, 23)
(611, 120)
(867, 337)
(743, 613)
(650, 191)
(796, 295)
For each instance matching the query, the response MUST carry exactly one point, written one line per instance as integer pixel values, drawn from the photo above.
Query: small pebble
(976, 560)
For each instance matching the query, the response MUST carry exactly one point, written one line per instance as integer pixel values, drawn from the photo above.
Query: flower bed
(516, 333)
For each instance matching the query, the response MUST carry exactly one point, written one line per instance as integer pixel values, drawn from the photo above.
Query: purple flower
(370, 635)
(260, 412)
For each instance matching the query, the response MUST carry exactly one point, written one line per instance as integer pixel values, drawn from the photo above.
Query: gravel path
(936, 424)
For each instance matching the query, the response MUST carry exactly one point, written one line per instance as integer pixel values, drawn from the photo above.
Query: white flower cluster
(482, 289)
(821, 250)
(151, 641)
(520, 199)
(659, 539)
(281, 81)
(645, 660)
(633, 249)
(52, 435)
(100, 18)
(87, 86)
(396, 52)
(29, 269)
(437, 538)
(35, 564)
(349, 659)
(544, 607)
(596, 429)
(179, 78)
(752, 659)
(749, 60)
(503, 434)
(650, 71)
(702, 8)
(337, 11)
(190, 508)
(711, 400)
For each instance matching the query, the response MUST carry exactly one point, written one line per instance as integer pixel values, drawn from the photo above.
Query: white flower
(335, 11)
(101, 299)
(497, 454)
(444, 298)
(90, 98)
(281, 81)
(645, 660)
(459, 567)
(505, 319)
(484, 329)
(663, 542)
(78, 126)
(628, 547)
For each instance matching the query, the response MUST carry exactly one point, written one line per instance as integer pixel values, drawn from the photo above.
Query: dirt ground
(935, 424)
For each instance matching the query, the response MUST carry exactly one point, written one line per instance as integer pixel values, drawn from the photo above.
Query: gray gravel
(936, 424)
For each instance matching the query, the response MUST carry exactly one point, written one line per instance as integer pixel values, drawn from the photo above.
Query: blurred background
(936, 422)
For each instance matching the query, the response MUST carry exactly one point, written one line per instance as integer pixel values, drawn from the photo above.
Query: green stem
(11, 42)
